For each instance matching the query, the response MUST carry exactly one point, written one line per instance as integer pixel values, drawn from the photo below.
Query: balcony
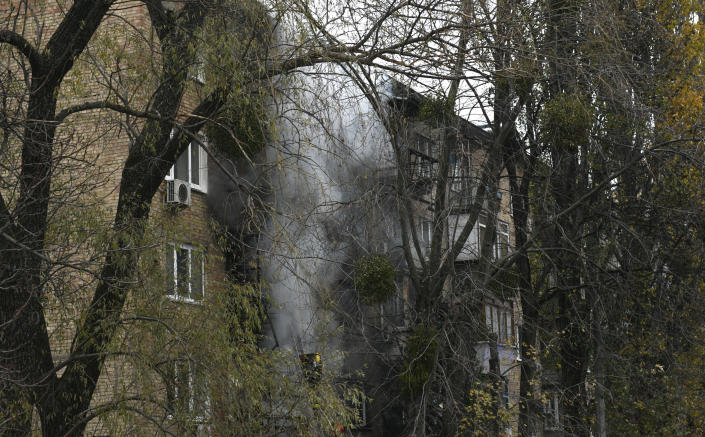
(500, 321)
(471, 248)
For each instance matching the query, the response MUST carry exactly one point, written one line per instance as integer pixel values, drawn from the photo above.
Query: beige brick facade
(90, 151)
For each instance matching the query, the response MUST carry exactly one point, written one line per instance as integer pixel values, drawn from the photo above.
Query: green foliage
(231, 52)
(479, 418)
(238, 130)
(420, 356)
(435, 109)
(565, 121)
(251, 391)
(374, 278)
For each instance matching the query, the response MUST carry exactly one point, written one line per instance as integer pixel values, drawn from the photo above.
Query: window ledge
(500, 344)
(200, 420)
(187, 300)
(196, 188)
(400, 329)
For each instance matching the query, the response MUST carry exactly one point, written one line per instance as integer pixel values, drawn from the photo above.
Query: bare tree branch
(61, 116)
(36, 59)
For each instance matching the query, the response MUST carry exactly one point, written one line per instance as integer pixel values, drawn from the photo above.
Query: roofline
(409, 101)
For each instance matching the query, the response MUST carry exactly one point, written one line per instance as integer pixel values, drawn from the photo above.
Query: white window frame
(174, 292)
(511, 205)
(482, 220)
(393, 310)
(502, 230)
(551, 411)
(358, 402)
(456, 185)
(202, 186)
(191, 394)
(361, 410)
(198, 71)
(499, 319)
(426, 232)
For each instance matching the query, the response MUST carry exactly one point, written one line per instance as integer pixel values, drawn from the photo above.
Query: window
(461, 192)
(498, 319)
(482, 226)
(187, 390)
(185, 276)
(422, 166)
(198, 70)
(359, 404)
(392, 312)
(504, 393)
(425, 146)
(426, 233)
(456, 174)
(501, 245)
(551, 412)
(192, 167)
(511, 205)
(422, 160)
(502, 240)
(356, 402)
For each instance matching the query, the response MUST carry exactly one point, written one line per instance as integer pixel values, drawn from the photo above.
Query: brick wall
(90, 151)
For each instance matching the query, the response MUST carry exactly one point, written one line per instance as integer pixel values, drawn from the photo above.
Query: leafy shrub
(374, 278)
(435, 109)
(566, 121)
(419, 356)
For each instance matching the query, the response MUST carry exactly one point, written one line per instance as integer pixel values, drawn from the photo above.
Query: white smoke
(327, 139)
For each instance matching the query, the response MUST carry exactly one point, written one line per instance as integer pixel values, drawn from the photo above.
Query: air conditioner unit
(178, 193)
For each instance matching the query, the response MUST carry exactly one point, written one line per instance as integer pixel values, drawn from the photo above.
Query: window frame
(461, 187)
(426, 232)
(482, 220)
(392, 312)
(498, 243)
(198, 71)
(551, 412)
(360, 406)
(202, 186)
(503, 327)
(422, 160)
(173, 293)
(511, 205)
(175, 398)
(502, 229)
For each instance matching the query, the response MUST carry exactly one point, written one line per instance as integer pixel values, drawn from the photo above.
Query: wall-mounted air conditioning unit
(178, 193)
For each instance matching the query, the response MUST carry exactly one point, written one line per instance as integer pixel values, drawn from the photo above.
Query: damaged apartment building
(334, 208)
(333, 193)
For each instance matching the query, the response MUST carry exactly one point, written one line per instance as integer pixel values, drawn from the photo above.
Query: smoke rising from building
(310, 185)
